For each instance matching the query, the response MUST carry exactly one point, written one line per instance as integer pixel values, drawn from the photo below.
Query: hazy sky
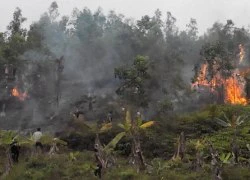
(206, 12)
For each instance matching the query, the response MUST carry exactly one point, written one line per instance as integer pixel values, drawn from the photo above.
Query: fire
(234, 91)
(202, 76)
(16, 93)
(233, 86)
(202, 79)
(242, 53)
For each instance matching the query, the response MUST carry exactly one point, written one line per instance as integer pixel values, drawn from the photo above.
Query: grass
(158, 148)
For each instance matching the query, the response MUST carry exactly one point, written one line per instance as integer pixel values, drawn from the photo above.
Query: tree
(133, 82)
(53, 11)
(2, 47)
(16, 42)
(15, 26)
(88, 26)
(192, 30)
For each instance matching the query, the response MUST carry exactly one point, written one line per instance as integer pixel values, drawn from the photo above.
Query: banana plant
(133, 126)
(131, 129)
(6, 138)
(103, 153)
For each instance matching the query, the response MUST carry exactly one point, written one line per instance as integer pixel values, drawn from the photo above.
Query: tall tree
(15, 26)
(133, 81)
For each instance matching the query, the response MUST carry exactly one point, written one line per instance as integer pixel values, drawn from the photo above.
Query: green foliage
(6, 137)
(49, 140)
(234, 122)
(78, 164)
(239, 173)
(112, 144)
(15, 25)
(159, 166)
(225, 158)
(165, 106)
(133, 81)
(73, 156)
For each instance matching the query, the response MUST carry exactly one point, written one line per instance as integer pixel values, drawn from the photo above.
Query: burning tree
(220, 72)
(224, 69)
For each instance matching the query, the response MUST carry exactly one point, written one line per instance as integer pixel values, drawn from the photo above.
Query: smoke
(88, 69)
(91, 49)
(92, 45)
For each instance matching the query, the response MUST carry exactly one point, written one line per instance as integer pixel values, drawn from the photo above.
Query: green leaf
(228, 156)
(225, 116)
(121, 126)
(240, 120)
(128, 118)
(105, 127)
(112, 144)
(222, 123)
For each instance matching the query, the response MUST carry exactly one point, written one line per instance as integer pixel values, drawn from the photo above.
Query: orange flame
(242, 53)
(202, 76)
(234, 92)
(233, 86)
(21, 96)
(202, 80)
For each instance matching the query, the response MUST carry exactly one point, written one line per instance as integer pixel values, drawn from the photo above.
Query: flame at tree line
(234, 86)
(235, 91)
(16, 93)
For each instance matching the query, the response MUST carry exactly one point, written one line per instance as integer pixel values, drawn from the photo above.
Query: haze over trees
(65, 72)
(94, 44)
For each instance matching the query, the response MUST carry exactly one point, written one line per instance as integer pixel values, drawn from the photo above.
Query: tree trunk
(137, 154)
(181, 145)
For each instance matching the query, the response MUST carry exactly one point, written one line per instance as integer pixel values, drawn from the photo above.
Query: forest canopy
(94, 44)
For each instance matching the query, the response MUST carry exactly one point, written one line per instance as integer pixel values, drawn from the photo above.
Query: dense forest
(118, 98)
